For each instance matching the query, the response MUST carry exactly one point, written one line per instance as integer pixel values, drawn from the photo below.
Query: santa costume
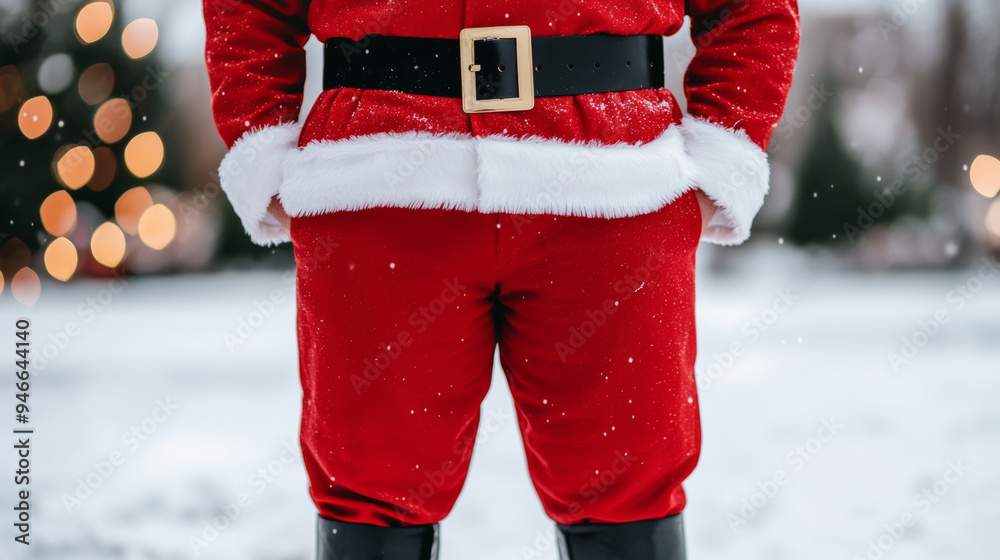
(511, 173)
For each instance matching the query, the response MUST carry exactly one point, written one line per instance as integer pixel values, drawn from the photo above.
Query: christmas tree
(86, 147)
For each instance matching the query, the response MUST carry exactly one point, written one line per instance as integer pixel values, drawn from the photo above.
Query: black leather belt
(496, 68)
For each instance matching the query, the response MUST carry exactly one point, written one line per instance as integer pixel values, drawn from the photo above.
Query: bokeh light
(96, 83)
(1, 282)
(130, 207)
(61, 259)
(112, 120)
(157, 226)
(93, 21)
(108, 245)
(105, 168)
(144, 154)
(58, 212)
(26, 287)
(10, 84)
(139, 38)
(75, 166)
(985, 175)
(14, 254)
(993, 219)
(35, 117)
(56, 73)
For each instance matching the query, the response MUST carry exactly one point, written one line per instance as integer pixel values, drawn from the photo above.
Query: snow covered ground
(815, 445)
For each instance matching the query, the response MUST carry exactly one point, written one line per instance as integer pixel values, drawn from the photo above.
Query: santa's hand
(278, 212)
(707, 206)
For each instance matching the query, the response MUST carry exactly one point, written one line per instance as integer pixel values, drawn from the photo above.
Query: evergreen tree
(105, 90)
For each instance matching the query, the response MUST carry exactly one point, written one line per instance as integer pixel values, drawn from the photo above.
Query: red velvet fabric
(399, 314)
(739, 77)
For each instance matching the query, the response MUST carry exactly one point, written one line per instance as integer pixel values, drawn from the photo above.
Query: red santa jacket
(603, 154)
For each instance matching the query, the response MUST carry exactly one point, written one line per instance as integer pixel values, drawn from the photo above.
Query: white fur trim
(732, 171)
(540, 176)
(488, 174)
(250, 175)
(412, 170)
(525, 175)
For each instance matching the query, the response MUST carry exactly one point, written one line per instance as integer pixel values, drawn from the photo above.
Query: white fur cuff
(732, 171)
(250, 175)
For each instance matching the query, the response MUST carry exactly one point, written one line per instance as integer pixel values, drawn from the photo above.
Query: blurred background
(868, 298)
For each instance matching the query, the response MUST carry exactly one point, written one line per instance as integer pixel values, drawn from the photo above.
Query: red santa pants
(400, 311)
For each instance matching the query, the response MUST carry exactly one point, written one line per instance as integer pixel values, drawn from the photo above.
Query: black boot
(651, 539)
(340, 540)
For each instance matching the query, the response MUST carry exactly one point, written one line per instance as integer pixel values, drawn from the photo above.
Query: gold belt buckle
(525, 81)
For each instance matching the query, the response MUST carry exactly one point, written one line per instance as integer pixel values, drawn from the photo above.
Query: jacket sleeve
(256, 69)
(736, 88)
